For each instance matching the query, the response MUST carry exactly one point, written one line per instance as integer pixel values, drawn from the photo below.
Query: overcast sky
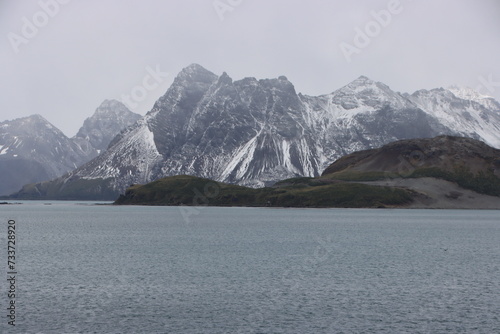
(62, 61)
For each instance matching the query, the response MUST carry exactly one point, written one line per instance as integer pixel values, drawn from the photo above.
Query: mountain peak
(31, 122)
(361, 84)
(35, 117)
(110, 103)
(255, 132)
(361, 81)
(366, 93)
(194, 69)
(363, 78)
(113, 106)
(34, 150)
(194, 73)
(109, 119)
(467, 93)
(35, 123)
(225, 79)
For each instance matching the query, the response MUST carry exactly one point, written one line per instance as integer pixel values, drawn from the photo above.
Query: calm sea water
(106, 269)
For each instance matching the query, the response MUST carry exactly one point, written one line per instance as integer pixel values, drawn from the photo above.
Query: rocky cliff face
(109, 119)
(33, 150)
(465, 111)
(441, 172)
(255, 132)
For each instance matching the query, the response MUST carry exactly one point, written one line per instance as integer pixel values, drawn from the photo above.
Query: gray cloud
(88, 51)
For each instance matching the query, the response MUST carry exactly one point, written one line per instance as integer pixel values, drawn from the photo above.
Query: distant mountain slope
(33, 150)
(442, 172)
(254, 132)
(109, 119)
(447, 170)
(467, 112)
(470, 94)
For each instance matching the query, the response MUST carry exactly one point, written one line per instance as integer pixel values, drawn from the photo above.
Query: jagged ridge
(33, 150)
(255, 132)
(442, 172)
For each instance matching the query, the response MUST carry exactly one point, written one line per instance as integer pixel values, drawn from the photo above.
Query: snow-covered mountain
(254, 132)
(465, 111)
(109, 119)
(469, 94)
(33, 150)
(365, 114)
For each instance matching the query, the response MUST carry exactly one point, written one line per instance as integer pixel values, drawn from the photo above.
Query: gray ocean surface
(86, 268)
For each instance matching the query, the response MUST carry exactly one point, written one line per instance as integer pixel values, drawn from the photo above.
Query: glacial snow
(465, 116)
(317, 131)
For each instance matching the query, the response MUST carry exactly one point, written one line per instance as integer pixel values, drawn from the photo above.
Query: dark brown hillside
(442, 172)
(445, 152)
(469, 163)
